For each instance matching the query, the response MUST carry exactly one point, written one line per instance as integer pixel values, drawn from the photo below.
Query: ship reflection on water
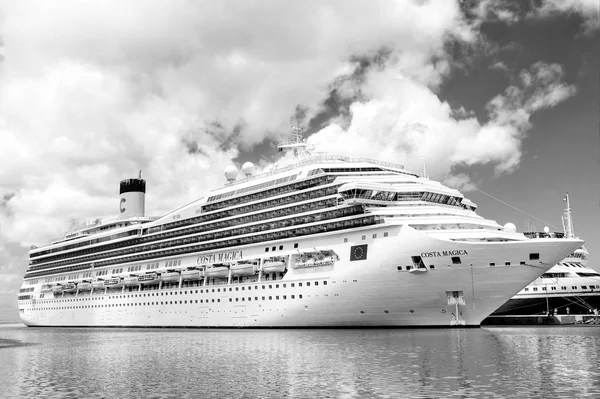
(353, 363)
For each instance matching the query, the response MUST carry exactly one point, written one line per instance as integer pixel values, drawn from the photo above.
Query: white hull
(371, 292)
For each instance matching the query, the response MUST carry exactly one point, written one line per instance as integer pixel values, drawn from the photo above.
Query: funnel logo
(121, 207)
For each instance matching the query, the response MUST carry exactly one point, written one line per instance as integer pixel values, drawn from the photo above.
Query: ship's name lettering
(219, 257)
(435, 254)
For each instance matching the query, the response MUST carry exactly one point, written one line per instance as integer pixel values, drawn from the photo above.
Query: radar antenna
(297, 144)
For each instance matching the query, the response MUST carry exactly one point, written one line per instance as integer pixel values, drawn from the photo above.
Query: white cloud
(405, 116)
(510, 12)
(589, 10)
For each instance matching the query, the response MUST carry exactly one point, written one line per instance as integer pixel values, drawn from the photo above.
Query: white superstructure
(328, 241)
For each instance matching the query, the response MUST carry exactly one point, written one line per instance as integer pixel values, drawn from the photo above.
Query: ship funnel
(132, 198)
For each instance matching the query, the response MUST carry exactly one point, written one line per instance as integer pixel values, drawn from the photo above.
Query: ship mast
(297, 144)
(567, 220)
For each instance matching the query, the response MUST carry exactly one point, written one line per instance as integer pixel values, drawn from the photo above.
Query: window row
(554, 288)
(287, 222)
(285, 234)
(219, 224)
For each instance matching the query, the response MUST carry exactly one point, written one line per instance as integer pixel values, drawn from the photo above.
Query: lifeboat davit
(149, 278)
(242, 269)
(192, 275)
(273, 266)
(84, 286)
(170, 277)
(217, 272)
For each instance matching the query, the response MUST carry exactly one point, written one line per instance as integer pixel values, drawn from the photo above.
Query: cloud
(404, 120)
(588, 10)
(499, 65)
(510, 12)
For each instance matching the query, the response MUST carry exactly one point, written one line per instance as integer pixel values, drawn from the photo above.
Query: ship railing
(318, 159)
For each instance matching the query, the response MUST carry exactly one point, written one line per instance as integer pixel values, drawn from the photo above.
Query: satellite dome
(231, 173)
(248, 169)
(510, 227)
(546, 229)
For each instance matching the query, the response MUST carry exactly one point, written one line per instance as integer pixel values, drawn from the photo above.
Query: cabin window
(399, 268)
(364, 237)
(432, 267)
(273, 249)
(267, 249)
(534, 256)
(296, 245)
(280, 247)
(456, 260)
(374, 235)
(506, 263)
(522, 263)
(492, 264)
(345, 240)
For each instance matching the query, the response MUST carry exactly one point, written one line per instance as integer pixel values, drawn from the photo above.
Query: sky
(499, 99)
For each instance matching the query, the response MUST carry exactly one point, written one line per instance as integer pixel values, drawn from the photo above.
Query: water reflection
(415, 363)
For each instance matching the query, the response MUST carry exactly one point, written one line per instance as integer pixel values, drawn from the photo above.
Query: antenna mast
(567, 219)
(297, 144)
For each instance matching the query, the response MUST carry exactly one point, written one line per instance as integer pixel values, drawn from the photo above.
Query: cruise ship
(571, 287)
(326, 241)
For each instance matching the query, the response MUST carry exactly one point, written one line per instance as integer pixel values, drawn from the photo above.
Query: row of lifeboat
(172, 276)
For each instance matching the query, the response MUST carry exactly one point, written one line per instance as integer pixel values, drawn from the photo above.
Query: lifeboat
(84, 286)
(46, 288)
(242, 269)
(69, 287)
(98, 284)
(149, 278)
(113, 283)
(192, 275)
(273, 266)
(217, 272)
(131, 280)
(57, 289)
(170, 277)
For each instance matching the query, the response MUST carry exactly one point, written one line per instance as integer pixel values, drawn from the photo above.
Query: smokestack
(132, 198)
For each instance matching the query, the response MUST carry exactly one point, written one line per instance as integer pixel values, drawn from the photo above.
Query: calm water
(535, 362)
